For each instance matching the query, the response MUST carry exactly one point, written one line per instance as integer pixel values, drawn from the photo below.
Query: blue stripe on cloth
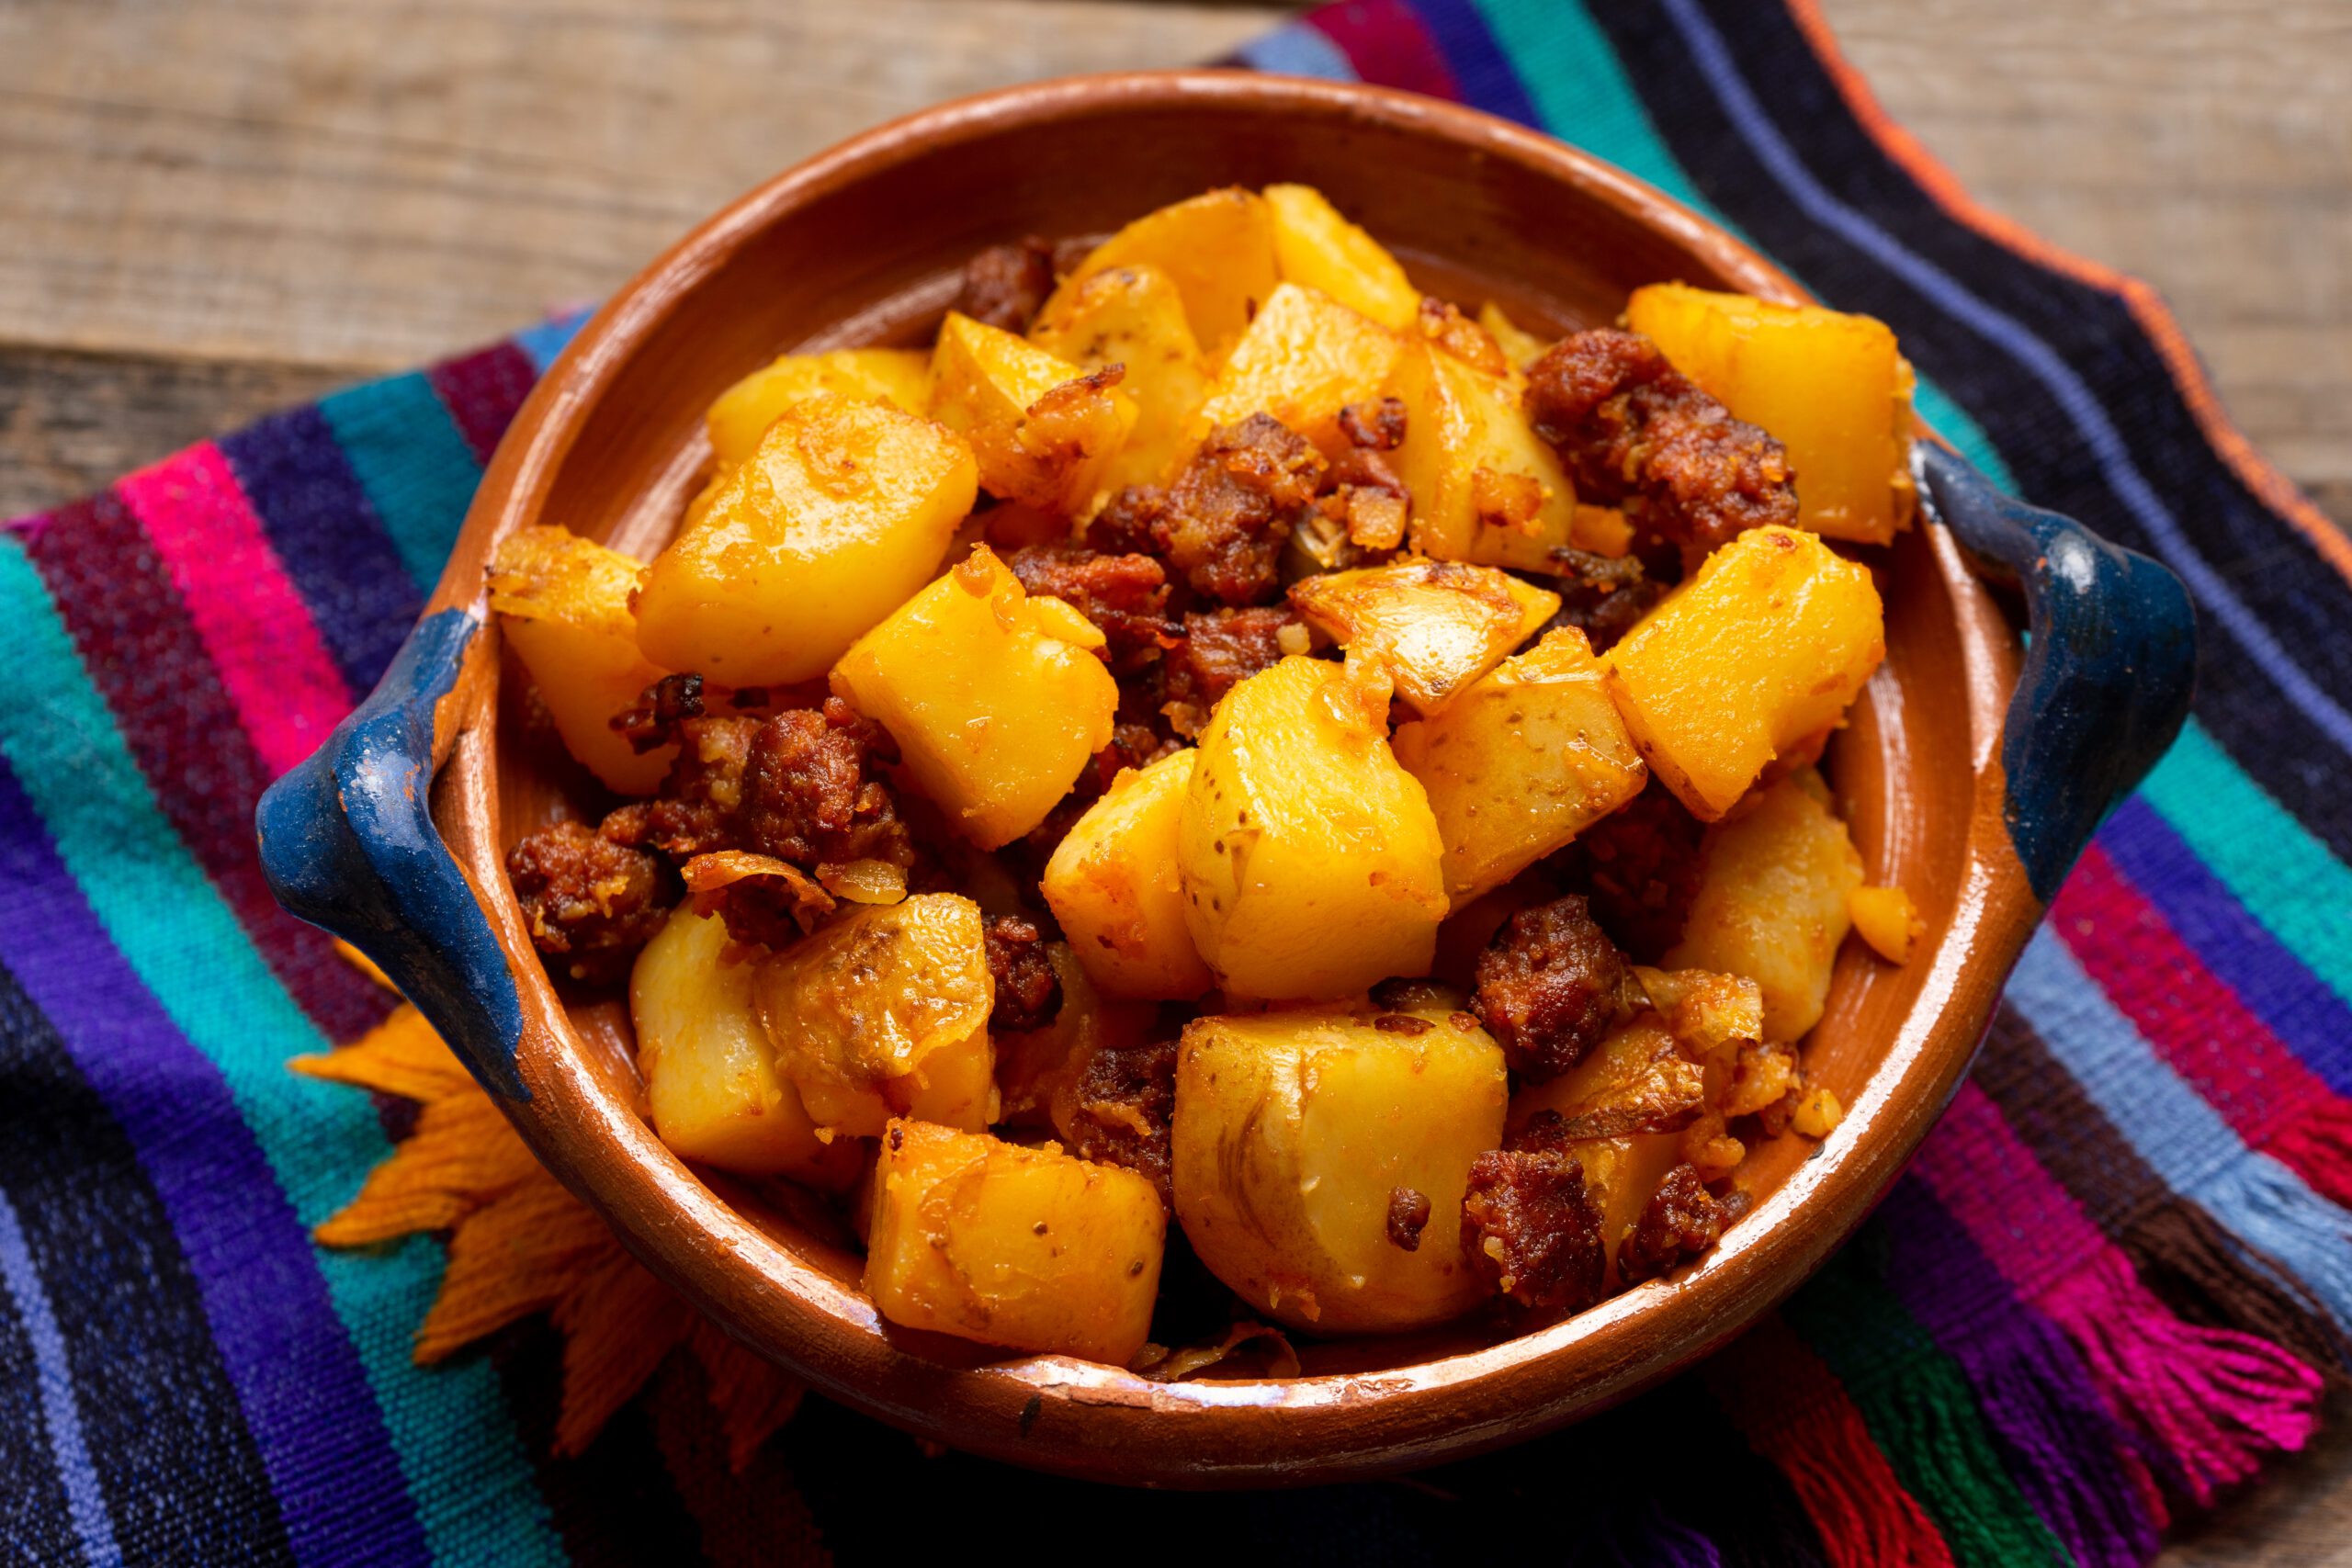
(1297, 49)
(2081, 406)
(413, 462)
(34, 1523)
(60, 1410)
(2184, 1140)
(544, 341)
(1480, 68)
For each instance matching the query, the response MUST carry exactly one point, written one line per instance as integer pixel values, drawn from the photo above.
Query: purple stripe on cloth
(481, 392)
(300, 1383)
(1480, 68)
(326, 532)
(86, 1503)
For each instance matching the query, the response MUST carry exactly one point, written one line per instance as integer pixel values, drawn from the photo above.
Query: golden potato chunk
(844, 509)
(995, 698)
(1437, 626)
(1886, 920)
(1522, 347)
(562, 602)
(901, 377)
(885, 1012)
(1028, 1248)
(1134, 315)
(1217, 246)
(1113, 884)
(1772, 902)
(1761, 651)
(1483, 488)
(710, 1077)
(1831, 388)
(1310, 861)
(1297, 1134)
(1521, 763)
(1304, 358)
(1045, 431)
(1314, 246)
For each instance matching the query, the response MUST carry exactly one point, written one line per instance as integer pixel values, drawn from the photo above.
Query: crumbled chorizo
(1641, 863)
(589, 902)
(1408, 1213)
(1377, 426)
(1603, 596)
(1005, 285)
(1631, 430)
(695, 812)
(1222, 523)
(1532, 1227)
(1027, 992)
(764, 902)
(653, 722)
(1550, 986)
(1681, 1220)
(811, 794)
(1220, 649)
(1124, 595)
(1118, 1111)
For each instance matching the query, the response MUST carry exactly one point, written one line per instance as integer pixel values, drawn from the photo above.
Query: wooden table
(208, 209)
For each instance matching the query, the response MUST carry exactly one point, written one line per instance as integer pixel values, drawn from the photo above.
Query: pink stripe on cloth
(273, 662)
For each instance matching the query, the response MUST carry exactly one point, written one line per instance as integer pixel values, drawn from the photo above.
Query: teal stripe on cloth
(465, 1466)
(411, 461)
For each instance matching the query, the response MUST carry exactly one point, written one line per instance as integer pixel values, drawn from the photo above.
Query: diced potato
(1772, 901)
(901, 377)
(1304, 359)
(562, 602)
(1310, 860)
(1218, 246)
(1759, 652)
(844, 510)
(1316, 246)
(1437, 626)
(1029, 1249)
(1134, 315)
(1832, 388)
(1519, 346)
(1521, 763)
(1113, 884)
(1818, 1113)
(1045, 431)
(1035, 1065)
(710, 1078)
(996, 699)
(1886, 920)
(1485, 488)
(885, 1012)
(1293, 1131)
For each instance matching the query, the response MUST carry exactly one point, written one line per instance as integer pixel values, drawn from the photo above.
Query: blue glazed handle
(348, 843)
(2109, 662)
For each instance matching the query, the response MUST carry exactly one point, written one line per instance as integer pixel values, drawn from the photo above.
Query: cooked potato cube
(710, 1078)
(996, 699)
(1304, 359)
(1046, 432)
(1218, 246)
(844, 510)
(1886, 920)
(562, 602)
(1113, 886)
(901, 377)
(1028, 1248)
(1310, 860)
(1316, 246)
(1483, 488)
(1521, 763)
(1294, 1135)
(1772, 902)
(885, 1012)
(1519, 346)
(1437, 626)
(1831, 388)
(1758, 653)
(1134, 315)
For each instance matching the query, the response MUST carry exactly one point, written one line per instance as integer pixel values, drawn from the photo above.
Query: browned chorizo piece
(1682, 1220)
(695, 812)
(811, 794)
(1550, 986)
(1633, 431)
(1220, 649)
(1408, 1215)
(590, 903)
(764, 902)
(1641, 864)
(1117, 1110)
(1531, 1227)
(1004, 285)
(1603, 596)
(1222, 523)
(1027, 994)
(1124, 595)
(653, 722)
(1377, 425)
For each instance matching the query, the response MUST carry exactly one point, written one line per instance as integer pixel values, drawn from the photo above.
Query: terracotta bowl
(1971, 775)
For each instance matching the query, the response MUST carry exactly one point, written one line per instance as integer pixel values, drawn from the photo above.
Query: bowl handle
(2110, 662)
(348, 843)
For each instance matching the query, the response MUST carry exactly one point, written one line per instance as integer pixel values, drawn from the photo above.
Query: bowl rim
(1079, 1417)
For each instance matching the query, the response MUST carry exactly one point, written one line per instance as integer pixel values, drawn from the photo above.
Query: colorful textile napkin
(2117, 1279)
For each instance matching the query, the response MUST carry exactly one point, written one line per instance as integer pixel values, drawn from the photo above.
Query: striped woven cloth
(2117, 1279)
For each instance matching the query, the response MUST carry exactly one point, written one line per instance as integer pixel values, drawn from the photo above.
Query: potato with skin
(1217, 246)
(1112, 883)
(1311, 863)
(995, 698)
(1303, 359)
(1316, 246)
(562, 604)
(1437, 626)
(1521, 763)
(1025, 1247)
(710, 1080)
(1759, 653)
(844, 509)
(1772, 902)
(1135, 317)
(1045, 431)
(741, 415)
(885, 1012)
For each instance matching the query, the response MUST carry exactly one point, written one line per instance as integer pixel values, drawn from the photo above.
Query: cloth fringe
(2316, 1144)
(2208, 1278)
(2270, 1209)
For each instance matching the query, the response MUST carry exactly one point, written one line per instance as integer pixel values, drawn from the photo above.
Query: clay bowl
(1973, 802)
